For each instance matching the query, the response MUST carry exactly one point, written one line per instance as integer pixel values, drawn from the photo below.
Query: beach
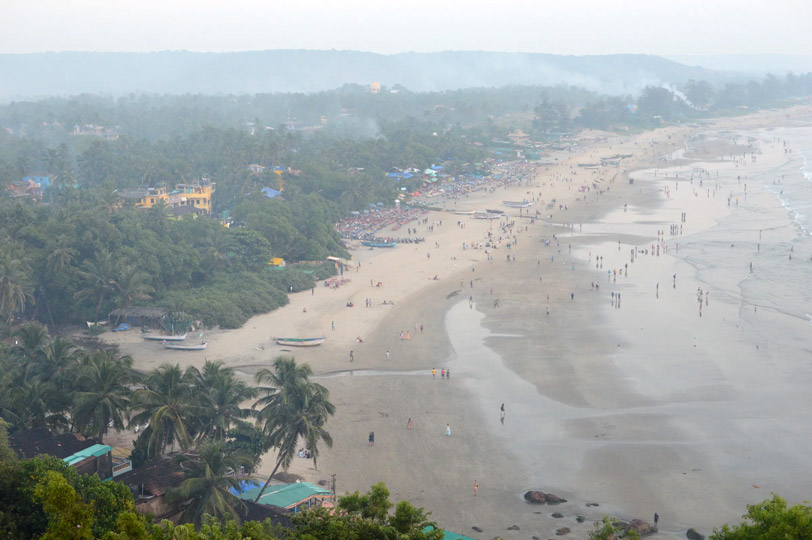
(623, 392)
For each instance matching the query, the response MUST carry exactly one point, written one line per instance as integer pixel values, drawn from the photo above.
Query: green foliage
(610, 529)
(366, 517)
(768, 520)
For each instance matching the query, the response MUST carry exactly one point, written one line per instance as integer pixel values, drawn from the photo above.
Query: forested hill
(180, 72)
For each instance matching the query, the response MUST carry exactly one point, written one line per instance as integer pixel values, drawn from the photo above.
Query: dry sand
(587, 418)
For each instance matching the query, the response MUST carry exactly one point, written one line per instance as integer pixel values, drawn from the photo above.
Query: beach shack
(277, 262)
(294, 497)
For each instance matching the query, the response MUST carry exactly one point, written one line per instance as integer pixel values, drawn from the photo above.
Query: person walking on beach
(476, 486)
(433, 373)
(448, 430)
(442, 373)
(371, 439)
(351, 357)
(656, 519)
(502, 413)
(409, 424)
(387, 354)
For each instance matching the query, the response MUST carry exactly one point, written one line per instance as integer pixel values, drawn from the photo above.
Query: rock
(692, 534)
(557, 515)
(477, 529)
(592, 504)
(580, 519)
(562, 531)
(513, 528)
(642, 527)
(539, 497)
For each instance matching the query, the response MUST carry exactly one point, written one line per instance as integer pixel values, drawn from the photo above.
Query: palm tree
(220, 397)
(105, 397)
(60, 258)
(15, 286)
(99, 277)
(295, 408)
(57, 359)
(219, 247)
(29, 341)
(130, 285)
(167, 405)
(210, 474)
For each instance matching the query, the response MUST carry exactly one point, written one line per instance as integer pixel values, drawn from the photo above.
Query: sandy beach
(626, 399)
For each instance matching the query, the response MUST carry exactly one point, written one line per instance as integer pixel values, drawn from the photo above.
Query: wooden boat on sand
(300, 342)
(176, 347)
(156, 337)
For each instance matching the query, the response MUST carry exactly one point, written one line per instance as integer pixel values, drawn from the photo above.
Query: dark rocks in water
(592, 504)
(580, 519)
(693, 534)
(513, 528)
(562, 531)
(477, 529)
(557, 515)
(642, 527)
(539, 497)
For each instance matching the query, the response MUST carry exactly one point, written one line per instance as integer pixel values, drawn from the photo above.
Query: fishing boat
(300, 342)
(465, 212)
(486, 215)
(368, 243)
(175, 347)
(492, 211)
(517, 204)
(156, 337)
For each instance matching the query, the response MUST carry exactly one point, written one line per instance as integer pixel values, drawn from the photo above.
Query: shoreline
(422, 465)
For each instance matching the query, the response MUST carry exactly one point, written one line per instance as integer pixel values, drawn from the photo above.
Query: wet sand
(641, 408)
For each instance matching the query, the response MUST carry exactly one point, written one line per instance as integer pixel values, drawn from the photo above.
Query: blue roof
(245, 485)
(271, 193)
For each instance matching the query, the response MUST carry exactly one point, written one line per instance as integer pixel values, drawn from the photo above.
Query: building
(86, 456)
(149, 484)
(295, 497)
(197, 196)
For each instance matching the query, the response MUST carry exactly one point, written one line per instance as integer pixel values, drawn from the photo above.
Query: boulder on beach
(557, 515)
(562, 531)
(477, 529)
(693, 534)
(642, 527)
(539, 497)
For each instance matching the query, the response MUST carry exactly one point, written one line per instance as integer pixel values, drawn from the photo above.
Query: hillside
(179, 72)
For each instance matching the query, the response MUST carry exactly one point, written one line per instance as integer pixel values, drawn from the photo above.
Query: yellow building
(196, 196)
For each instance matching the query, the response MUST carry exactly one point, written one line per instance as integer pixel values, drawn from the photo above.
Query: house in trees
(195, 195)
(85, 456)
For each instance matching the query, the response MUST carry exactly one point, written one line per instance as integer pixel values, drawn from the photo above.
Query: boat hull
(307, 342)
(201, 347)
(155, 337)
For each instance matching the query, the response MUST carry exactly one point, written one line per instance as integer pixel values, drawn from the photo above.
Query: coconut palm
(99, 277)
(219, 247)
(105, 396)
(56, 360)
(60, 258)
(220, 397)
(15, 286)
(29, 340)
(210, 474)
(130, 285)
(296, 409)
(167, 405)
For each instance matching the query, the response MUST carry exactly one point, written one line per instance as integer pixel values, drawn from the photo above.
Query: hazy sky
(666, 27)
